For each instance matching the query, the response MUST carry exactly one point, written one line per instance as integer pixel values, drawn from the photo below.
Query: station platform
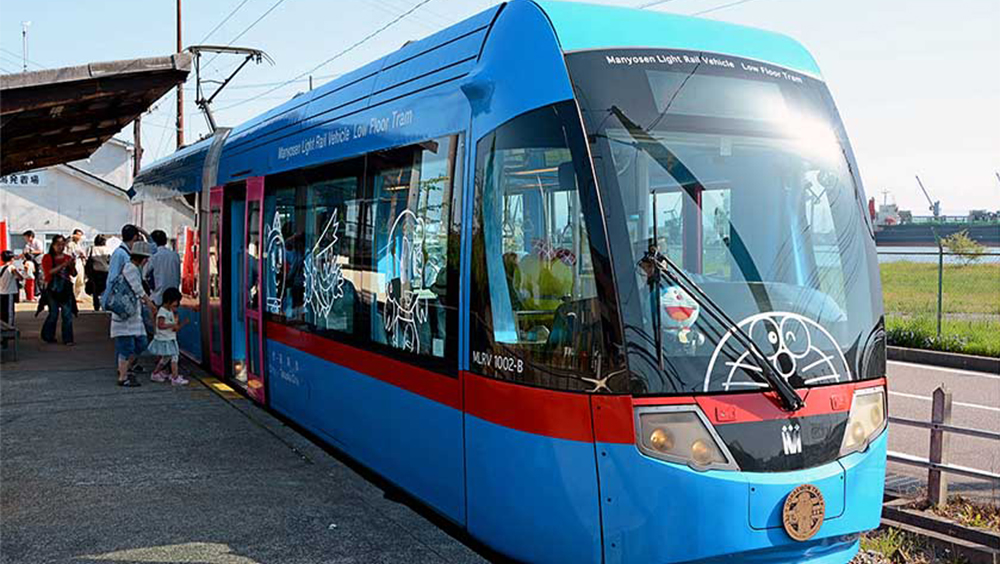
(197, 474)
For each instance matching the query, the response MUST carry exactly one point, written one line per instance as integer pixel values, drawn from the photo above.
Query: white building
(89, 194)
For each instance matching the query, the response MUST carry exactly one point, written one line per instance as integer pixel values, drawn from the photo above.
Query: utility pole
(935, 207)
(137, 141)
(24, 45)
(180, 87)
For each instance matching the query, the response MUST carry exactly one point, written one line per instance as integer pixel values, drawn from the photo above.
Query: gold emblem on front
(803, 513)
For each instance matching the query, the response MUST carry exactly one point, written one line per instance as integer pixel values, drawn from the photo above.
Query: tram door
(216, 334)
(234, 310)
(252, 269)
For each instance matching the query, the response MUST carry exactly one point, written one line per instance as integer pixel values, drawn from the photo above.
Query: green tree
(966, 248)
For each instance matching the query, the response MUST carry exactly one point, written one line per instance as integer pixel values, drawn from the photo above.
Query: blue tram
(596, 284)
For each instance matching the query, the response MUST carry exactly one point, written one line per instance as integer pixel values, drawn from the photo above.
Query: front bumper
(659, 512)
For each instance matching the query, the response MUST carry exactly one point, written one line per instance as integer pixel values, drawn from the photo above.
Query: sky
(915, 81)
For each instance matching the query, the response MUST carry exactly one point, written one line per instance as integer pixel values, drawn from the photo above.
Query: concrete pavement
(975, 404)
(94, 472)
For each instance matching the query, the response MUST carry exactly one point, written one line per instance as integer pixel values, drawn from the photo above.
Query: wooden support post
(937, 481)
(137, 142)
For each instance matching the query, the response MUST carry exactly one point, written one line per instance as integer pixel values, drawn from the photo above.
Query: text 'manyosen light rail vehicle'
(595, 284)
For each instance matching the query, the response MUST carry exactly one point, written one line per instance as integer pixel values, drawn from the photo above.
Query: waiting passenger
(59, 268)
(163, 268)
(10, 287)
(96, 269)
(128, 332)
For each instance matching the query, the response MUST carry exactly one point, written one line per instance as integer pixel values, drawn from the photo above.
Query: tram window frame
(504, 349)
(362, 257)
(303, 183)
(390, 160)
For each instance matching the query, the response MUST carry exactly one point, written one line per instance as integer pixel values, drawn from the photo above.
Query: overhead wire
(223, 22)
(434, 18)
(19, 59)
(266, 84)
(10, 60)
(246, 29)
(353, 46)
(722, 7)
(651, 4)
(393, 11)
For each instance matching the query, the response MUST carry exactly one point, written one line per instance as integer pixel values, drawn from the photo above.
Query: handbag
(60, 288)
(121, 298)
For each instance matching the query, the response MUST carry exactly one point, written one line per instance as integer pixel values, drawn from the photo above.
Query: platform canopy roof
(55, 116)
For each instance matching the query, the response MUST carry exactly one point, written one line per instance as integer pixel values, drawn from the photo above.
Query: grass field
(911, 287)
(971, 306)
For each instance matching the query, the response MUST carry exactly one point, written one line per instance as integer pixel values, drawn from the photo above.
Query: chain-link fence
(942, 300)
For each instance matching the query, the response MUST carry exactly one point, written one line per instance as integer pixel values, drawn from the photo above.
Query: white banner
(37, 178)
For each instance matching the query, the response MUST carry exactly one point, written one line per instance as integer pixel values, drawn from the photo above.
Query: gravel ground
(869, 557)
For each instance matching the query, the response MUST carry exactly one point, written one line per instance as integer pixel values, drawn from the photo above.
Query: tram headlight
(865, 421)
(680, 434)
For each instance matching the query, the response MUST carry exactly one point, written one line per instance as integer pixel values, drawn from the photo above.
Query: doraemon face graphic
(679, 310)
(798, 349)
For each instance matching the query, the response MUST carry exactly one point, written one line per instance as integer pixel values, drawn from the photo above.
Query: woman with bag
(58, 268)
(125, 299)
(96, 270)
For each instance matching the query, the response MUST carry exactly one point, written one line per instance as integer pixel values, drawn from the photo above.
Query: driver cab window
(537, 316)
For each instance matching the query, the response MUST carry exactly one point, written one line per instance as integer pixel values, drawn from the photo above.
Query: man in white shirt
(163, 268)
(33, 251)
(9, 286)
(33, 248)
(75, 249)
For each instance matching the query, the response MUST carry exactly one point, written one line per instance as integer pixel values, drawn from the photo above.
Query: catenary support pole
(940, 292)
(137, 141)
(180, 87)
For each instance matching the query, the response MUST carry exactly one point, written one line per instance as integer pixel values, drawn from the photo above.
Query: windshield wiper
(789, 398)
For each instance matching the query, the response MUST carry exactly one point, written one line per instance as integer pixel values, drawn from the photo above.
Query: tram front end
(751, 309)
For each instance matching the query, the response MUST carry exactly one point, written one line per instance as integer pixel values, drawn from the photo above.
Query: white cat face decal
(794, 345)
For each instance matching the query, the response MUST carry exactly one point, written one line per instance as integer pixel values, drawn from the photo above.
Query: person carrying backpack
(125, 298)
(96, 269)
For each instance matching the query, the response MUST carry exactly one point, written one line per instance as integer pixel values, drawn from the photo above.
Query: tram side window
(415, 262)
(311, 245)
(330, 271)
(536, 315)
(283, 254)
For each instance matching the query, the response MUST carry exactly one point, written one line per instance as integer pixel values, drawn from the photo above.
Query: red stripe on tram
(431, 385)
(551, 413)
(763, 406)
(561, 415)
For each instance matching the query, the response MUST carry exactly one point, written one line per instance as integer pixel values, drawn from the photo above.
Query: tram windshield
(736, 173)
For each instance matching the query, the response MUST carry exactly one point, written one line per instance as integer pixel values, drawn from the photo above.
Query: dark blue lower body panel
(189, 337)
(410, 440)
(534, 498)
